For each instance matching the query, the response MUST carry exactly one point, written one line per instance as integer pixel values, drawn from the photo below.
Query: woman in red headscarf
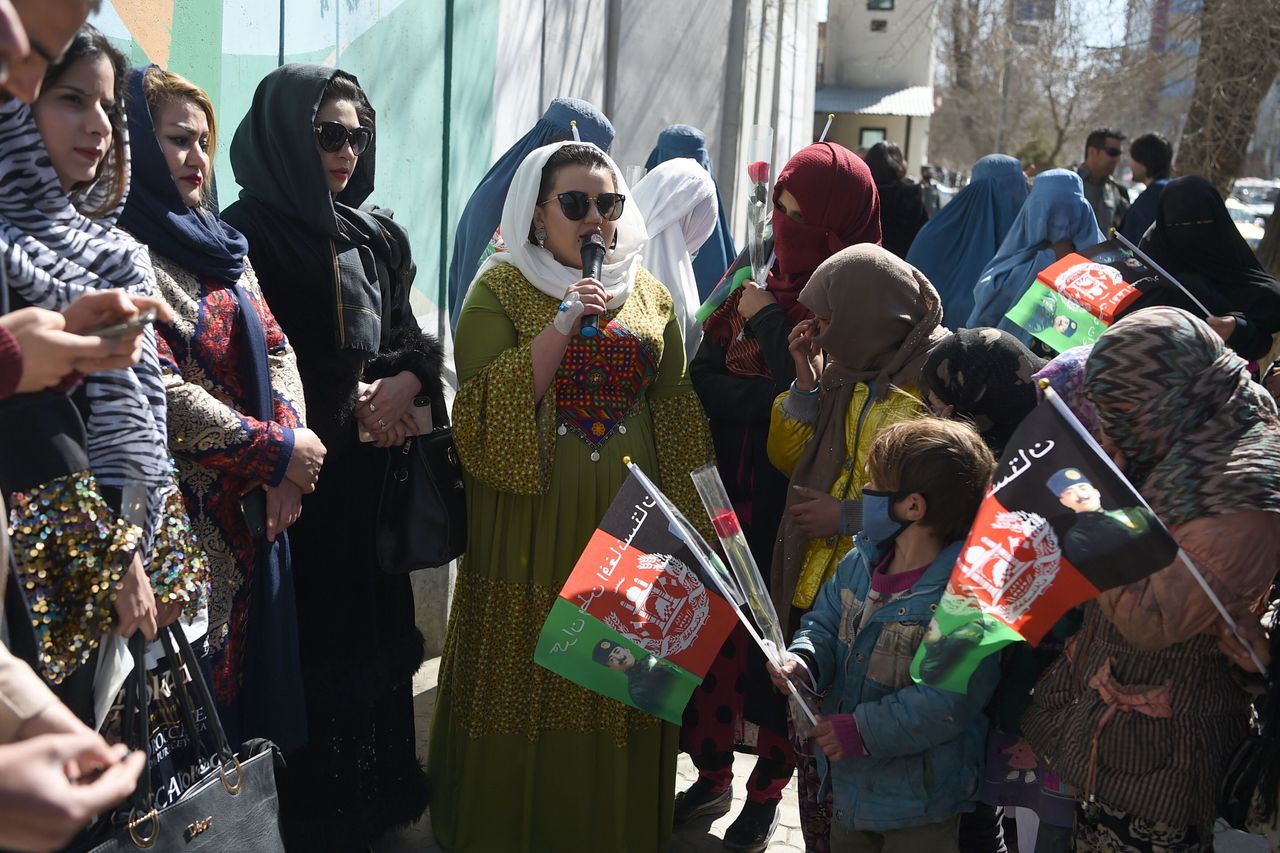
(825, 199)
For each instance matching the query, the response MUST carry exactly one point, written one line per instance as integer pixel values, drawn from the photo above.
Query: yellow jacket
(788, 437)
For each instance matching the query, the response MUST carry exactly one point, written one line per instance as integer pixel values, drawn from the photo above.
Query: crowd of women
(220, 470)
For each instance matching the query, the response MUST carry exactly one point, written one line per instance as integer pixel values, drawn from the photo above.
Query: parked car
(1258, 195)
(1250, 225)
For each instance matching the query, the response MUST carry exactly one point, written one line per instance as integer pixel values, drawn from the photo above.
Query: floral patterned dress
(568, 769)
(221, 451)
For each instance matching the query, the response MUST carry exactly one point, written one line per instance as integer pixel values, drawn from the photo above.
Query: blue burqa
(483, 212)
(955, 246)
(717, 254)
(1055, 210)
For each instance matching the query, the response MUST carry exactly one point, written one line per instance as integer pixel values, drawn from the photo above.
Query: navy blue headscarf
(154, 212)
(717, 254)
(483, 213)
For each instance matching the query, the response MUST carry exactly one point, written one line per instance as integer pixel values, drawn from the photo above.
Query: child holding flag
(903, 760)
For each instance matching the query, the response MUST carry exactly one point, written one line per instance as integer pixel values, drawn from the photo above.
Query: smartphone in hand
(141, 320)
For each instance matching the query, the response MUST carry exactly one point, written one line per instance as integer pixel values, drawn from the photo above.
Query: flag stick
(690, 536)
(830, 118)
(1075, 424)
(1142, 256)
(573, 126)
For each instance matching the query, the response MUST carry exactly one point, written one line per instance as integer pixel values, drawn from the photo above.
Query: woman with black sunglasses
(337, 278)
(544, 417)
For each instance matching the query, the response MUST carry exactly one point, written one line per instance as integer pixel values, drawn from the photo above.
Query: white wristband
(567, 315)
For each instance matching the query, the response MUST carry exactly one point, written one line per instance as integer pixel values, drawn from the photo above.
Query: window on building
(880, 26)
(880, 5)
(869, 136)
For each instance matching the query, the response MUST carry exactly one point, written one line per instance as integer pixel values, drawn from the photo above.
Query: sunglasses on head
(333, 135)
(575, 204)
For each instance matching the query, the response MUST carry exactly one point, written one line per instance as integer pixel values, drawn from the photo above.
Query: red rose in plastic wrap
(758, 172)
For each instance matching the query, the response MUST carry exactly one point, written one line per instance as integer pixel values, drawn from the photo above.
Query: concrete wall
(720, 65)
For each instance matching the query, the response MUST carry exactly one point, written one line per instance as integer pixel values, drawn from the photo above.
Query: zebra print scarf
(52, 254)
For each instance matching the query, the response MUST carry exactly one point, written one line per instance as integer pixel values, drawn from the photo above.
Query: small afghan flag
(637, 620)
(1059, 526)
(1073, 301)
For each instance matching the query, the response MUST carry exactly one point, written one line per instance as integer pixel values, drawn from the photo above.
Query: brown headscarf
(884, 319)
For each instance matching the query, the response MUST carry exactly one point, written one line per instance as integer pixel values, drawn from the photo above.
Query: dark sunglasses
(332, 136)
(1113, 152)
(575, 204)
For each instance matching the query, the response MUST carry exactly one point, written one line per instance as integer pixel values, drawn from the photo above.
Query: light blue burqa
(483, 212)
(1055, 210)
(717, 254)
(955, 246)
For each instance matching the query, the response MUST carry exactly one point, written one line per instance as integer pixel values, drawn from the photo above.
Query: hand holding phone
(141, 320)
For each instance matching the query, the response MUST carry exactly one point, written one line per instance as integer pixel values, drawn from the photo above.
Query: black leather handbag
(422, 511)
(233, 806)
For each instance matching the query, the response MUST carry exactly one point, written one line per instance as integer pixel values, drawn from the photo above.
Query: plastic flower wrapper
(750, 582)
(759, 200)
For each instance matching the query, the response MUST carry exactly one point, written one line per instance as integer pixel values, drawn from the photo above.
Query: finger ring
(372, 407)
(382, 423)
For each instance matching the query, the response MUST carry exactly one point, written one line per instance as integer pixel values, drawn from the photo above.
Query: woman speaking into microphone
(543, 418)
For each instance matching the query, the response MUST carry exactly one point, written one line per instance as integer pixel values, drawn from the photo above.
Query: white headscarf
(537, 264)
(678, 200)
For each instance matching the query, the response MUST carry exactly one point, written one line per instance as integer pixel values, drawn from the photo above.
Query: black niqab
(1195, 240)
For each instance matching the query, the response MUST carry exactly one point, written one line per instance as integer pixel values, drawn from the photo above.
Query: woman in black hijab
(902, 212)
(1195, 241)
(337, 278)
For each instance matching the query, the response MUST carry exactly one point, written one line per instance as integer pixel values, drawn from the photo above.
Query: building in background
(878, 64)
(455, 82)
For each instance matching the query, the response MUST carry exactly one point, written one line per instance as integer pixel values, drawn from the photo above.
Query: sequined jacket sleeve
(504, 437)
(680, 430)
(22, 693)
(204, 424)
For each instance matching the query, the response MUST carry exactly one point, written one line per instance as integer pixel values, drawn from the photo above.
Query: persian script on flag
(1058, 527)
(1073, 301)
(636, 620)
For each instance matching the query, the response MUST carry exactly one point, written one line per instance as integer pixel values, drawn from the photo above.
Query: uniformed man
(650, 679)
(1114, 546)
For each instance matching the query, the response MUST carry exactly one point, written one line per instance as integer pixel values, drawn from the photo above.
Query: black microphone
(592, 264)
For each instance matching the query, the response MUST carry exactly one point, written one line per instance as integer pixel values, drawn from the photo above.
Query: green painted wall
(397, 48)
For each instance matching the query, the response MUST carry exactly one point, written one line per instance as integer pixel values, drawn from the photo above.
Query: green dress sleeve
(680, 430)
(504, 439)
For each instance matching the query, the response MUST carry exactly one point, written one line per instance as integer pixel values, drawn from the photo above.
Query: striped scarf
(1201, 438)
(52, 255)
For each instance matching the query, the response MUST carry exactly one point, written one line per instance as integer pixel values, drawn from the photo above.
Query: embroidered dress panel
(602, 382)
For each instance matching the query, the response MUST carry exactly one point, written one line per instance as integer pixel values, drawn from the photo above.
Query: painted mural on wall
(396, 48)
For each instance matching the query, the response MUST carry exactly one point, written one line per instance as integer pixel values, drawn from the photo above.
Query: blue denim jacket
(926, 746)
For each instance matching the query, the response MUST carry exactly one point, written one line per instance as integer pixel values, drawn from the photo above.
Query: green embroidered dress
(521, 759)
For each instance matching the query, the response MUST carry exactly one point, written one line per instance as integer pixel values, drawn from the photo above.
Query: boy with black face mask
(903, 759)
